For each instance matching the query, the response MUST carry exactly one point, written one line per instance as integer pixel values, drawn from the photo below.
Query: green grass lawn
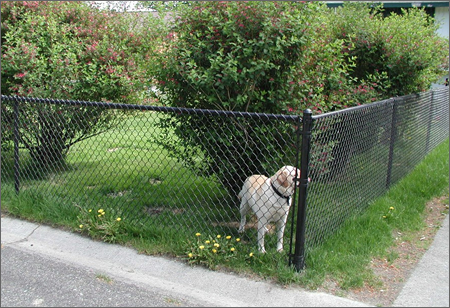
(153, 203)
(346, 255)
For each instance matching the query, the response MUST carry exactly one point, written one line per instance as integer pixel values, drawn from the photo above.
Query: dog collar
(280, 194)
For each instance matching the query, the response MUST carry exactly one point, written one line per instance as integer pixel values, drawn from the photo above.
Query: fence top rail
(379, 103)
(352, 109)
(178, 110)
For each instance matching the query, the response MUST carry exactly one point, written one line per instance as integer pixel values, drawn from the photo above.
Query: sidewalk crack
(25, 239)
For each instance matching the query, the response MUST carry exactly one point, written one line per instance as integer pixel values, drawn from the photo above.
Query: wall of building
(442, 16)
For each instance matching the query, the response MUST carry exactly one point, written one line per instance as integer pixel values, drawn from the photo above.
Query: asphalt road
(33, 280)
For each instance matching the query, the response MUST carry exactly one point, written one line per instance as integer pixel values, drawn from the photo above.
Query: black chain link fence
(358, 153)
(178, 171)
(170, 171)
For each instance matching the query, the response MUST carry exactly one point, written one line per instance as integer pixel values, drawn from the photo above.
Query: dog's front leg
(280, 234)
(281, 224)
(261, 233)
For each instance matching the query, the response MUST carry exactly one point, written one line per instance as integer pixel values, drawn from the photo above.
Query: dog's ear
(283, 179)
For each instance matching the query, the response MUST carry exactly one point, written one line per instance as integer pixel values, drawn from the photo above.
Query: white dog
(270, 199)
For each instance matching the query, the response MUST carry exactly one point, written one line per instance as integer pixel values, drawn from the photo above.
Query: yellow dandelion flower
(201, 247)
(90, 210)
(228, 237)
(118, 219)
(384, 216)
(391, 208)
(238, 240)
(232, 249)
(190, 255)
(251, 254)
(207, 242)
(197, 234)
(81, 226)
(216, 245)
(99, 215)
(215, 251)
(100, 211)
(218, 236)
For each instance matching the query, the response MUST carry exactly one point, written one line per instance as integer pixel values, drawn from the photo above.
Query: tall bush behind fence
(355, 156)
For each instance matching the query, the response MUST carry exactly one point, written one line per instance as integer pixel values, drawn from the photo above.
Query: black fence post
(16, 147)
(299, 254)
(298, 134)
(392, 142)
(430, 121)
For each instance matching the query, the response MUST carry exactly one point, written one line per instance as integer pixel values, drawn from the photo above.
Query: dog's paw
(241, 230)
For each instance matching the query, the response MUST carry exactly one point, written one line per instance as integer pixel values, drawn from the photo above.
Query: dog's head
(286, 179)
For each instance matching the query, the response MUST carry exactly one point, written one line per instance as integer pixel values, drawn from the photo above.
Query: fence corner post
(299, 253)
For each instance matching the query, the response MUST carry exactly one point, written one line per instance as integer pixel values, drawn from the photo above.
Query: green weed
(211, 251)
(100, 224)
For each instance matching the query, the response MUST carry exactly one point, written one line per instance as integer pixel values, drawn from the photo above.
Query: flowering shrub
(323, 82)
(211, 251)
(68, 50)
(99, 224)
(232, 55)
(281, 57)
(404, 49)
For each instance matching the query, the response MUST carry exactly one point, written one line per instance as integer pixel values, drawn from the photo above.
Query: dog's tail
(240, 195)
(242, 192)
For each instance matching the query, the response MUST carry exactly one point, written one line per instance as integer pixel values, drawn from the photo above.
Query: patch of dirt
(160, 210)
(113, 149)
(118, 194)
(404, 256)
(155, 181)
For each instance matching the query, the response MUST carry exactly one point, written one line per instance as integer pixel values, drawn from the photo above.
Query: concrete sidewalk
(196, 286)
(428, 285)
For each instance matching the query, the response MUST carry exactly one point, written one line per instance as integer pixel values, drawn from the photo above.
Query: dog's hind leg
(243, 210)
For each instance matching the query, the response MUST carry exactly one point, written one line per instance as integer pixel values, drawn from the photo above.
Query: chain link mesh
(166, 170)
(178, 171)
(358, 153)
